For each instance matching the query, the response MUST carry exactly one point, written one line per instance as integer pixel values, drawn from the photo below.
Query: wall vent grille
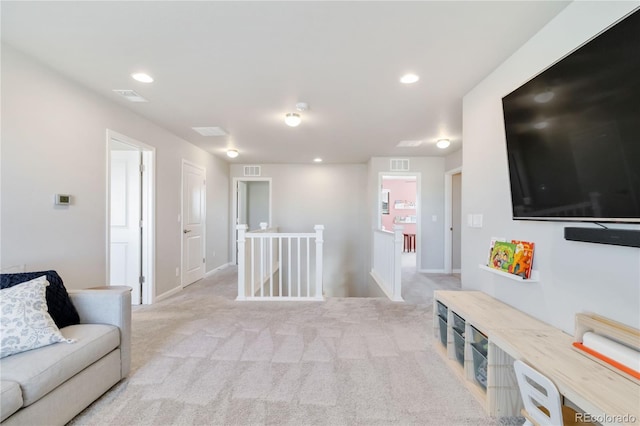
(252, 171)
(399, 165)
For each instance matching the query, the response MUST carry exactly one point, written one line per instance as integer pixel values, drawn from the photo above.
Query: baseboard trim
(219, 268)
(432, 271)
(168, 294)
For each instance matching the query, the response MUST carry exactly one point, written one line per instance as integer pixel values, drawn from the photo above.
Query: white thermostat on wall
(62, 199)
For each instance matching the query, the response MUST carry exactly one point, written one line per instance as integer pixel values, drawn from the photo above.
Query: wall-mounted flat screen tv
(573, 133)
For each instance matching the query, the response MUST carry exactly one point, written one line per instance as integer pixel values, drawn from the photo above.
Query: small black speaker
(617, 237)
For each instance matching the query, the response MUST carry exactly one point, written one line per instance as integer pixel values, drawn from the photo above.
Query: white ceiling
(243, 65)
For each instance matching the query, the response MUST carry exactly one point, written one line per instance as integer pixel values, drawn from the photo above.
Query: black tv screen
(573, 133)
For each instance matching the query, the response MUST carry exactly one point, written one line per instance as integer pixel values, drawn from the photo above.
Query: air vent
(399, 165)
(252, 170)
(210, 131)
(409, 144)
(130, 95)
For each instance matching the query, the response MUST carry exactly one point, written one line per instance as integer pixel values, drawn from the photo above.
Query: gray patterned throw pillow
(24, 321)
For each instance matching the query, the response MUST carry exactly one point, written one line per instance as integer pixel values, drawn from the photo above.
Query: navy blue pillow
(59, 303)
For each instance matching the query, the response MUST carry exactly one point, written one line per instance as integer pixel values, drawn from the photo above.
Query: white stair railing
(386, 270)
(279, 266)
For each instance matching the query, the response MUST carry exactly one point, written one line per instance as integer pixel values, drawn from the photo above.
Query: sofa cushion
(42, 370)
(10, 398)
(60, 307)
(26, 324)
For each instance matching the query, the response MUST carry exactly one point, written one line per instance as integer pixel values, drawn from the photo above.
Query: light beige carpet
(201, 358)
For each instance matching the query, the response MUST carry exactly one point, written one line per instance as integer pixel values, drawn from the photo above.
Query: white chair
(542, 401)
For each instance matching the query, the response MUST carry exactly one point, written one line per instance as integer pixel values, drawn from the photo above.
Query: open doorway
(130, 216)
(399, 206)
(251, 205)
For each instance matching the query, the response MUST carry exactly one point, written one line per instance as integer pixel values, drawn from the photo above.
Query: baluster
(289, 266)
(280, 266)
(252, 268)
(319, 241)
(308, 268)
(298, 263)
(271, 266)
(261, 282)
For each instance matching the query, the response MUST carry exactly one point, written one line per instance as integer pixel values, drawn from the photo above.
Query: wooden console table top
(593, 387)
(486, 313)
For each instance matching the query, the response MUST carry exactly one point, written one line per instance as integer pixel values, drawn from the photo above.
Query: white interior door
(456, 223)
(193, 219)
(126, 213)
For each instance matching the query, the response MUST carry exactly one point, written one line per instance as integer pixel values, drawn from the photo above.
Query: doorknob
(186, 231)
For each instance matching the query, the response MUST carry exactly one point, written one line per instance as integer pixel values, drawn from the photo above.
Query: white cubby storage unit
(511, 334)
(500, 395)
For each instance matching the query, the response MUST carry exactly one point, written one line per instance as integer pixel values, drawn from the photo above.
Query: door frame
(418, 177)
(204, 220)
(148, 239)
(448, 212)
(234, 208)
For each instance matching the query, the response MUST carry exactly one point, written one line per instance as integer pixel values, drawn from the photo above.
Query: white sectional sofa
(52, 384)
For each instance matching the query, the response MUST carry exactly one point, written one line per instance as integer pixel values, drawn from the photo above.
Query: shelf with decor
(404, 205)
(404, 219)
(535, 274)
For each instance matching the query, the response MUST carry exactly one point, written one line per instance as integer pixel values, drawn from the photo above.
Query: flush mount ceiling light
(317, 160)
(443, 143)
(292, 119)
(142, 77)
(232, 153)
(409, 79)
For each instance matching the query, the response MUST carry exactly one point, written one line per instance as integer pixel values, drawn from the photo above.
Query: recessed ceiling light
(292, 119)
(317, 160)
(409, 78)
(232, 153)
(142, 77)
(443, 143)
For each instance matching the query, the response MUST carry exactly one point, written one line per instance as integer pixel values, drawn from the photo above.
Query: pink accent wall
(399, 190)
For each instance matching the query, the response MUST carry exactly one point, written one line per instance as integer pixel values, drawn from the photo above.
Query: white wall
(431, 204)
(575, 276)
(453, 160)
(54, 141)
(331, 195)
